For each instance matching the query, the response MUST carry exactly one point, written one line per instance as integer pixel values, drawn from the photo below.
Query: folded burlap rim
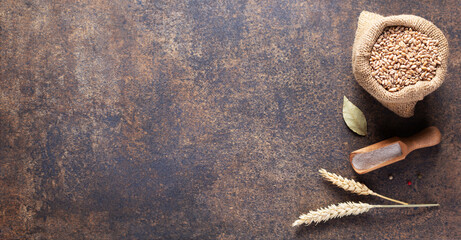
(370, 27)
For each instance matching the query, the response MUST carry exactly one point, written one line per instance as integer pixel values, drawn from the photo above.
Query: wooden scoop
(392, 150)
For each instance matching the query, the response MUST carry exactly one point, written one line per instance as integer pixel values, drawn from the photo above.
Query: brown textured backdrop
(207, 120)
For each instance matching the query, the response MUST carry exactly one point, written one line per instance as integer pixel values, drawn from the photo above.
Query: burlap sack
(370, 27)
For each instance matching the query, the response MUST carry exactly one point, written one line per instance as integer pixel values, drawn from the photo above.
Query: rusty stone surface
(207, 120)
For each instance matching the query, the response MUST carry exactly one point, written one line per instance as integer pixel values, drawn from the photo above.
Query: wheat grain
(345, 209)
(401, 54)
(352, 186)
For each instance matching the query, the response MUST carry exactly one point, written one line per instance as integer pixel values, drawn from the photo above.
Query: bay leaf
(354, 117)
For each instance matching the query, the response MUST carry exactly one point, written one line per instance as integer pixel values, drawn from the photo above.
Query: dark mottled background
(207, 120)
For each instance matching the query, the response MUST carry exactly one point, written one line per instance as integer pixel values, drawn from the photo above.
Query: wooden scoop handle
(426, 138)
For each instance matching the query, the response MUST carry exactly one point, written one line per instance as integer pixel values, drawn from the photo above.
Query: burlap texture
(370, 26)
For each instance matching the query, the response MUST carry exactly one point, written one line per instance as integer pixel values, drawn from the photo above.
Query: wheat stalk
(345, 209)
(353, 186)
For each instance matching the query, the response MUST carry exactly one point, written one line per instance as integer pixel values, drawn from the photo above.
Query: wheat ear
(332, 211)
(352, 186)
(345, 209)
